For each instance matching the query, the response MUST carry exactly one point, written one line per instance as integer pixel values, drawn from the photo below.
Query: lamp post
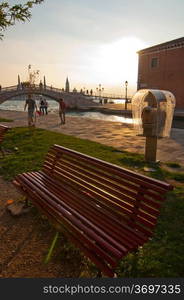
(100, 89)
(126, 100)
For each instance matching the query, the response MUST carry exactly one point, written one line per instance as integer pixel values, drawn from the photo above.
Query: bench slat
(85, 207)
(47, 206)
(68, 200)
(77, 219)
(103, 190)
(109, 185)
(43, 208)
(119, 180)
(88, 252)
(137, 178)
(102, 199)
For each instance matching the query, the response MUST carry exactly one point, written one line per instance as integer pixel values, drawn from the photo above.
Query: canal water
(18, 105)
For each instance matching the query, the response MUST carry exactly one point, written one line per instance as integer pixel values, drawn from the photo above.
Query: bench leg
(49, 254)
(99, 274)
(26, 201)
(135, 263)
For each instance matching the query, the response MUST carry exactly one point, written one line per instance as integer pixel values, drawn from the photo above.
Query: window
(154, 62)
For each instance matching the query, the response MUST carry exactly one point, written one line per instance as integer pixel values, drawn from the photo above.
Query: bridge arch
(71, 99)
(12, 93)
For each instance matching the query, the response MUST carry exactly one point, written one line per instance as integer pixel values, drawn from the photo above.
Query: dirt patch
(25, 241)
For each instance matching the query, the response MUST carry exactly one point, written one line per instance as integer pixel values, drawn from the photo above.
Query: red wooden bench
(3, 130)
(105, 210)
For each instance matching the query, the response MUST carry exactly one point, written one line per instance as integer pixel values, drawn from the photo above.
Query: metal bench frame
(105, 210)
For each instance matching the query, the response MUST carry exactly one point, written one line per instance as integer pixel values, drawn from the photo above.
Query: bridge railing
(109, 96)
(41, 88)
(106, 95)
(51, 88)
(9, 88)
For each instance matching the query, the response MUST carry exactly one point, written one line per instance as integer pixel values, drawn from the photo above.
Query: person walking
(41, 85)
(42, 106)
(31, 104)
(45, 106)
(62, 109)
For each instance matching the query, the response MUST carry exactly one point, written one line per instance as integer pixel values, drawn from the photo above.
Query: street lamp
(126, 99)
(100, 89)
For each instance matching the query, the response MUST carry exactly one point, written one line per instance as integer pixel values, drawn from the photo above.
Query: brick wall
(163, 69)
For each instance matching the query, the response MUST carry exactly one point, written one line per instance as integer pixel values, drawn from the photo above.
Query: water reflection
(13, 105)
(101, 116)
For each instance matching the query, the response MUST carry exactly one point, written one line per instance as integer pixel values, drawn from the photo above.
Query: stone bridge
(72, 99)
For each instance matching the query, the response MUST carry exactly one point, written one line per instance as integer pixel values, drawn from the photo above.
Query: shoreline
(115, 109)
(178, 118)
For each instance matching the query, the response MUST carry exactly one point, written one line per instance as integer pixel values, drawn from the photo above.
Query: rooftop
(167, 45)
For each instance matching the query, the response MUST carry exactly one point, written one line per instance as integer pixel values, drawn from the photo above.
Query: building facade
(162, 67)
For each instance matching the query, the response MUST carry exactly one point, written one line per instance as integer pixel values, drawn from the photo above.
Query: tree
(10, 14)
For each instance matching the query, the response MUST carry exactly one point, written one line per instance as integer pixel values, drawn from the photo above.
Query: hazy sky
(90, 41)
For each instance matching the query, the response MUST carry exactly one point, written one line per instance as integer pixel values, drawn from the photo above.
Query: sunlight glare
(119, 61)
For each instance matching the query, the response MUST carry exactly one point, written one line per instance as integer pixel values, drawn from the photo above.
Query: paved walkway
(116, 134)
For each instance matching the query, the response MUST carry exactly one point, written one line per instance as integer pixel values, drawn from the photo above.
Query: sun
(118, 61)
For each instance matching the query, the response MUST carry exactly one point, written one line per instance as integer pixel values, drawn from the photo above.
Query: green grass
(173, 165)
(177, 176)
(33, 145)
(5, 120)
(163, 255)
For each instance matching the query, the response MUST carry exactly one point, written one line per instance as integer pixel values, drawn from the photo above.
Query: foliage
(10, 14)
(177, 176)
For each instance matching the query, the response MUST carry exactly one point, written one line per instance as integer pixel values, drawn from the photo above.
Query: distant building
(162, 67)
(67, 86)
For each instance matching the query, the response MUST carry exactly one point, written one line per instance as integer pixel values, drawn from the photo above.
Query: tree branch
(19, 12)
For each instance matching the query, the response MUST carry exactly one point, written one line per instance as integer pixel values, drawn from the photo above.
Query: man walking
(62, 108)
(31, 104)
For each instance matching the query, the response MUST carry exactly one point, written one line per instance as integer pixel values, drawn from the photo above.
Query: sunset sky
(91, 41)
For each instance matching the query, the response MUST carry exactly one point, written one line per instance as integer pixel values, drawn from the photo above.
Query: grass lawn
(163, 256)
(5, 120)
